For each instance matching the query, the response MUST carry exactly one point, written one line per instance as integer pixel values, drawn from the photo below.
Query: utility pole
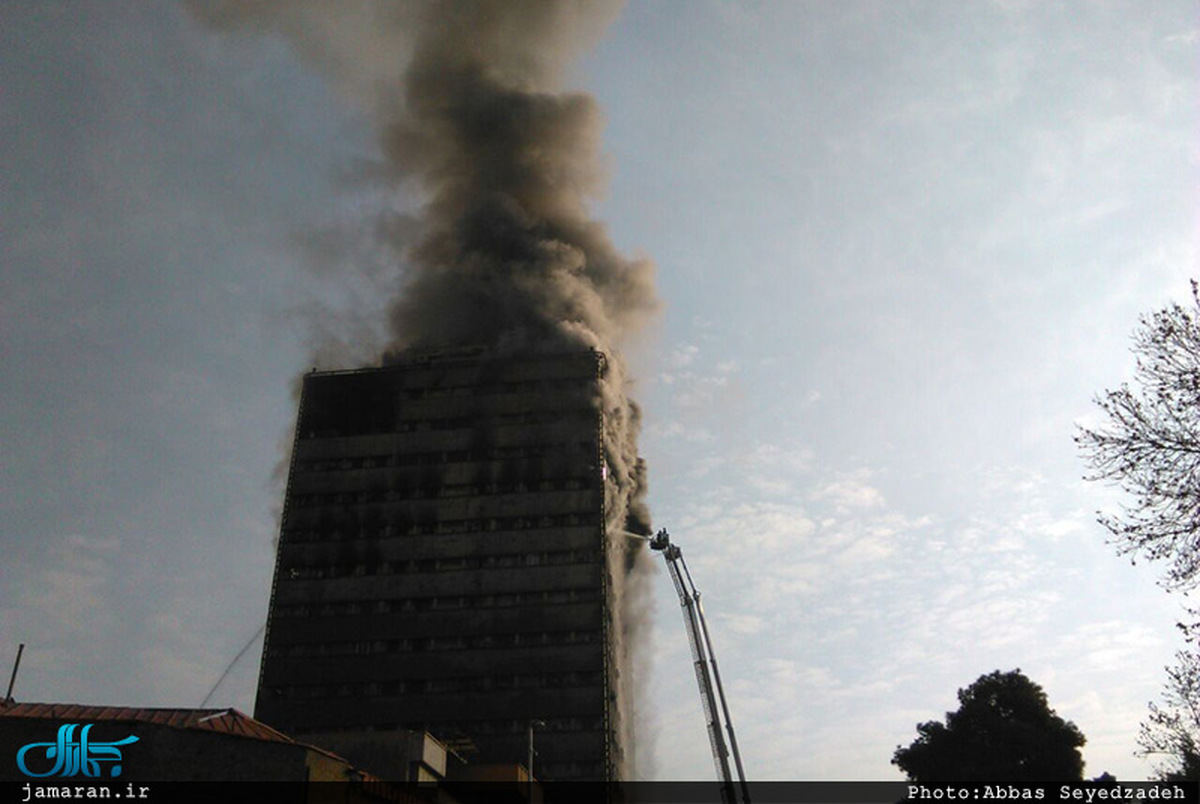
(529, 767)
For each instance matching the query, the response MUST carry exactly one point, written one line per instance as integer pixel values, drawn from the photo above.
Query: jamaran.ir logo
(71, 757)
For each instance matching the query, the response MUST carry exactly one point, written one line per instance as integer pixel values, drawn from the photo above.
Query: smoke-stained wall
(444, 562)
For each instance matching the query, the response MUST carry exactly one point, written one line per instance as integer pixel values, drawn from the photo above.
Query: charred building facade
(443, 561)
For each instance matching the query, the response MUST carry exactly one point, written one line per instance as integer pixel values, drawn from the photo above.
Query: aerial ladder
(708, 677)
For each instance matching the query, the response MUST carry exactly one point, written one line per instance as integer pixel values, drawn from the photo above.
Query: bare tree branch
(1149, 445)
(1173, 728)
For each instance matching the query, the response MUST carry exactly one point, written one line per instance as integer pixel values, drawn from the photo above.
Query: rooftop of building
(224, 721)
(467, 354)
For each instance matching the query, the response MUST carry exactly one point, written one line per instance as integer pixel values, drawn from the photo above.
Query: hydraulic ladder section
(708, 677)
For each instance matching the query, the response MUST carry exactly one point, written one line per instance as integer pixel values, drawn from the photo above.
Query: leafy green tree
(1004, 731)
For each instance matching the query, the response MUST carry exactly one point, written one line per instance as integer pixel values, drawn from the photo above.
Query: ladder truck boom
(708, 677)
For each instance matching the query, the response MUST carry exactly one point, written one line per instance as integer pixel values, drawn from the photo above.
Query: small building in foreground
(177, 745)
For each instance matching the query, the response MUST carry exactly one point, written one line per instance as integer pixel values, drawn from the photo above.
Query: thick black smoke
(473, 122)
(508, 252)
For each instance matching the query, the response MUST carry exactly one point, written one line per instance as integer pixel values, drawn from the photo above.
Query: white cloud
(850, 490)
(683, 355)
(677, 429)
(696, 390)
(1186, 38)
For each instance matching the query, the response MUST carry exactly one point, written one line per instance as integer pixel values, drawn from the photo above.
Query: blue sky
(899, 245)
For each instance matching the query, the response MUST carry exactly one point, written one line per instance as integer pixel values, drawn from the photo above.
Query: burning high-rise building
(449, 553)
(444, 562)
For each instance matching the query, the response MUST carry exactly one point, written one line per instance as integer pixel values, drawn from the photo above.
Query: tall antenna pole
(13, 678)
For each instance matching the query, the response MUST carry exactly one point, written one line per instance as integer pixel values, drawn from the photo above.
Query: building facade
(442, 562)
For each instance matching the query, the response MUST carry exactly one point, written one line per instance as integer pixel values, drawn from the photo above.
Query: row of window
(447, 387)
(440, 491)
(501, 561)
(526, 417)
(511, 726)
(451, 732)
(442, 457)
(439, 603)
(490, 388)
(420, 644)
(421, 686)
(572, 770)
(439, 526)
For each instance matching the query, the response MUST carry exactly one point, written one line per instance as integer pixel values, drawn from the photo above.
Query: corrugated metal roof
(225, 721)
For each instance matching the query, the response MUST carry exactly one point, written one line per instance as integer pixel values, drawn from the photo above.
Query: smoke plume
(474, 123)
